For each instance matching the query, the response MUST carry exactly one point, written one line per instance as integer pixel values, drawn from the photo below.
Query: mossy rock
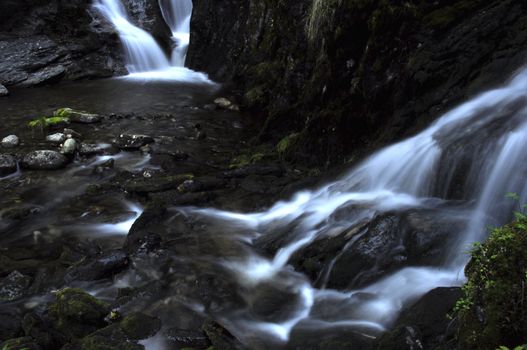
(493, 311)
(24, 343)
(76, 314)
(139, 326)
(109, 338)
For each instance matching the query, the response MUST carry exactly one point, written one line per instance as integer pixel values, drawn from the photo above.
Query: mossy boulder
(76, 314)
(493, 311)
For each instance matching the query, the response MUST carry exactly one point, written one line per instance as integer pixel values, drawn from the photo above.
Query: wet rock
(13, 286)
(3, 91)
(47, 75)
(245, 171)
(88, 149)
(423, 325)
(224, 103)
(111, 337)
(155, 184)
(76, 314)
(69, 147)
(18, 213)
(183, 338)
(44, 160)
(56, 138)
(132, 142)
(201, 184)
(10, 141)
(8, 164)
(99, 267)
(219, 337)
(24, 343)
(10, 323)
(78, 116)
(139, 326)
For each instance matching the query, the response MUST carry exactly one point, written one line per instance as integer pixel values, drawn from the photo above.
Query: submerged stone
(8, 164)
(10, 141)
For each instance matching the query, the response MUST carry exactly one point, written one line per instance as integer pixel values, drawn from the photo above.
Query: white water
(145, 60)
(487, 137)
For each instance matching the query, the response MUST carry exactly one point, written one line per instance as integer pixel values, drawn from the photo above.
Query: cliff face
(44, 41)
(336, 78)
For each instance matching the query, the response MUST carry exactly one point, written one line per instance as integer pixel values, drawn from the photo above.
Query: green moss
(285, 146)
(493, 311)
(45, 122)
(246, 159)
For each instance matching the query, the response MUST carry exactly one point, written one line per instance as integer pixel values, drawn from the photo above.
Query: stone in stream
(10, 141)
(99, 267)
(224, 103)
(69, 147)
(13, 286)
(3, 91)
(56, 138)
(132, 141)
(88, 149)
(77, 116)
(8, 164)
(44, 160)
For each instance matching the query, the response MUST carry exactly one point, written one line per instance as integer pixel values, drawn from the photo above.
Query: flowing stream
(144, 57)
(473, 155)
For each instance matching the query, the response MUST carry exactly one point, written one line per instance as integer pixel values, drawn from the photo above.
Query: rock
(219, 337)
(24, 343)
(56, 138)
(72, 132)
(47, 75)
(183, 338)
(132, 142)
(69, 147)
(13, 286)
(254, 170)
(10, 141)
(44, 160)
(423, 325)
(139, 326)
(8, 164)
(76, 314)
(99, 267)
(155, 184)
(77, 116)
(3, 91)
(88, 149)
(224, 103)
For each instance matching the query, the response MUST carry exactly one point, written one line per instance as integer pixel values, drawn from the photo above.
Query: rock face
(44, 160)
(349, 76)
(42, 42)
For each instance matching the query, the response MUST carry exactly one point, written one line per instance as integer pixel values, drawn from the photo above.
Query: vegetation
(45, 122)
(493, 311)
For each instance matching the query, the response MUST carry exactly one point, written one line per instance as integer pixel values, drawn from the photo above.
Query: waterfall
(177, 14)
(473, 154)
(144, 57)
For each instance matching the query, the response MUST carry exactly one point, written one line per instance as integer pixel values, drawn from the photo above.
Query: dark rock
(88, 149)
(132, 142)
(8, 164)
(155, 184)
(44, 160)
(3, 91)
(18, 213)
(76, 314)
(183, 338)
(219, 337)
(111, 337)
(13, 286)
(254, 170)
(139, 326)
(10, 141)
(99, 267)
(47, 75)
(25, 343)
(423, 325)
(10, 323)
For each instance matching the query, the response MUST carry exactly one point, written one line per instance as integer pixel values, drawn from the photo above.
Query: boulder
(44, 160)
(8, 164)
(10, 141)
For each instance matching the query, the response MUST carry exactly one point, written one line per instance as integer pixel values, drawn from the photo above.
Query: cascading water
(145, 58)
(469, 159)
(177, 15)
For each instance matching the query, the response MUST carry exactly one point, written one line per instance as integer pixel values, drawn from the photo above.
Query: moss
(246, 159)
(45, 122)
(285, 146)
(493, 311)
(76, 313)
